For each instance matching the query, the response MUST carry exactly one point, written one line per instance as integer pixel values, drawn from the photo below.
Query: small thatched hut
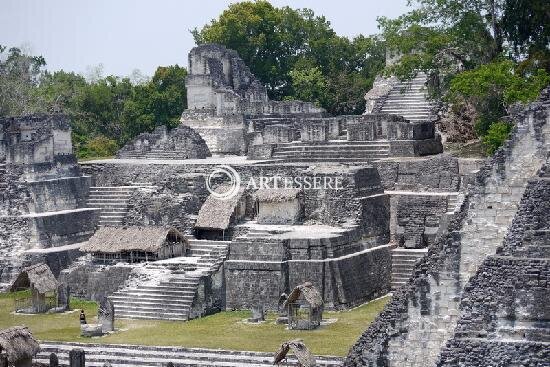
(18, 345)
(217, 215)
(280, 206)
(43, 285)
(305, 307)
(136, 244)
(302, 353)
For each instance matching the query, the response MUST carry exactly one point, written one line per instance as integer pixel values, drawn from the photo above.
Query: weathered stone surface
(467, 264)
(181, 142)
(91, 330)
(106, 315)
(77, 358)
(43, 200)
(54, 361)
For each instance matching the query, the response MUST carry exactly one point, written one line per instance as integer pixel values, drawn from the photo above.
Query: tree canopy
(297, 54)
(105, 111)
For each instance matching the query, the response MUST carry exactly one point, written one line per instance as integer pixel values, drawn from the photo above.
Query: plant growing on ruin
(491, 89)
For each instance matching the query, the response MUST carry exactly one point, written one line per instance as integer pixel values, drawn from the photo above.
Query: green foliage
(527, 26)
(309, 84)
(496, 135)
(491, 88)
(443, 35)
(285, 48)
(19, 75)
(99, 146)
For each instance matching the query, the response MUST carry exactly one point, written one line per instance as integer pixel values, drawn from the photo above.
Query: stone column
(106, 315)
(54, 361)
(63, 295)
(77, 358)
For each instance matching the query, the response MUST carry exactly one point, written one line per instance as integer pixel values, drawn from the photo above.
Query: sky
(125, 35)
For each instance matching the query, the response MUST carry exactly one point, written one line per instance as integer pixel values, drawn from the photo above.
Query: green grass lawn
(224, 330)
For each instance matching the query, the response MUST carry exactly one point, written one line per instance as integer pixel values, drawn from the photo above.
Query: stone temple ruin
(379, 207)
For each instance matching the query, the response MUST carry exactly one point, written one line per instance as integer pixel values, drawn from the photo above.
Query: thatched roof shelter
(302, 353)
(277, 195)
(310, 293)
(17, 343)
(119, 239)
(217, 213)
(39, 277)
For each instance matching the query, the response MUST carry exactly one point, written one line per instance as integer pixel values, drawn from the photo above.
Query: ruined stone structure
(476, 299)
(179, 143)
(43, 197)
(223, 97)
(396, 207)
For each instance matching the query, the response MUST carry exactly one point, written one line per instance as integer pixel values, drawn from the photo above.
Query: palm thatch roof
(302, 353)
(120, 239)
(17, 343)
(310, 293)
(39, 277)
(277, 195)
(217, 213)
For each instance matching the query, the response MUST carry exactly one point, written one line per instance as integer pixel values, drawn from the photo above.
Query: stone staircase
(335, 151)
(409, 99)
(113, 202)
(156, 153)
(133, 355)
(403, 261)
(171, 297)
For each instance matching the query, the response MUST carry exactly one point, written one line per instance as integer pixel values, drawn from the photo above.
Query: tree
(19, 74)
(157, 102)
(310, 84)
(527, 25)
(296, 54)
(445, 35)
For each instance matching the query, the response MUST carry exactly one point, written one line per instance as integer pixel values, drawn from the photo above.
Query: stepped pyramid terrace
(249, 198)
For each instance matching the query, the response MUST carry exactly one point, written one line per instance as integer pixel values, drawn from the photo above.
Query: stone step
(127, 355)
(146, 309)
(108, 200)
(180, 287)
(332, 160)
(152, 291)
(409, 110)
(310, 154)
(334, 144)
(151, 301)
(111, 195)
(408, 103)
(153, 315)
(406, 97)
(335, 151)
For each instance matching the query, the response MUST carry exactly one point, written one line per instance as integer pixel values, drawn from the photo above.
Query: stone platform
(137, 355)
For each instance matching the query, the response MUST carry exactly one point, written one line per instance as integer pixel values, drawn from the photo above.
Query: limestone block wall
(61, 194)
(505, 305)
(418, 219)
(95, 282)
(162, 208)
(35, 138)
(423, 315)
(44, 197)
(179, 143)
(438, 173)
(259, 272)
